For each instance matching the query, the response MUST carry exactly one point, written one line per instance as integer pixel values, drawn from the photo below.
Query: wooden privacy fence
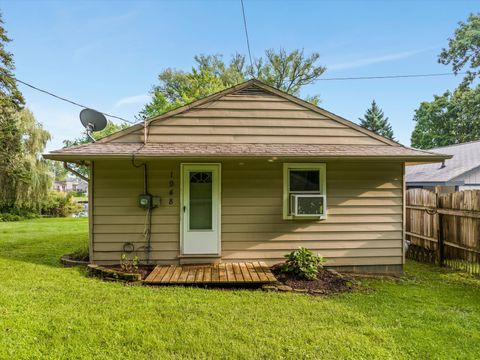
(444, 228)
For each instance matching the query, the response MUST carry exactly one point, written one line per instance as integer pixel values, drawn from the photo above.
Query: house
(461, 172)
(70, 184)
(247, 174)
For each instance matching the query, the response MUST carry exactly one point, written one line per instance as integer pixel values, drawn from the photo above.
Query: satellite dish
(93, 121)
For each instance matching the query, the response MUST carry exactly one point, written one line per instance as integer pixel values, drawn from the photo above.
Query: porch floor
(214, 274)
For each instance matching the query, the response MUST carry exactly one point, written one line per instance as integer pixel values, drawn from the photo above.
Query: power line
(68, 100)
(389, 76)
(246, 34)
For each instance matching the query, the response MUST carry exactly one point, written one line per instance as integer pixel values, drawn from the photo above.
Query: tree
(464, 49)
(451, 118)
(109, 129)
(375, 120)
(9, 93)
(25, 176)
(57, 170)
(286, 71)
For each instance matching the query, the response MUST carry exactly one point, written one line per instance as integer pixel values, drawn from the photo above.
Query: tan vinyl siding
(363, 227)
(251, 119)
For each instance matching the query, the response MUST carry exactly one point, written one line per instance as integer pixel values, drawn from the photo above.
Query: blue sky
(108, 54)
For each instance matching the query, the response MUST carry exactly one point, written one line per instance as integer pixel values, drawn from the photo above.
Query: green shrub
(129, 265)
(60, 204)
(16, 214)
(303, 263)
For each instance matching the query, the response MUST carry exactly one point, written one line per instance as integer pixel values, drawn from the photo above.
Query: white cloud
(135, 99)
(374, 60)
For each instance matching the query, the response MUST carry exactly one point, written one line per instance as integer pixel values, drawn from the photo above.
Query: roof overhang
(90, 157)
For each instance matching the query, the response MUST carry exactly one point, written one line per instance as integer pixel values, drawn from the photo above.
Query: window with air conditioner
(304, 191)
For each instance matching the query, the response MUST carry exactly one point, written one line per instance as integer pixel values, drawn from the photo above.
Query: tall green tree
(376, 121)
(463, 51)
(9, 93)
(454, 116)
(451, 118)
(287, 71)
(25, 176)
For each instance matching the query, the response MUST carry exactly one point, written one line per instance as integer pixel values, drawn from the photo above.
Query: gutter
(127, 156)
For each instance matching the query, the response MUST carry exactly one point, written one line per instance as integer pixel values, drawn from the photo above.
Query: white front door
(200, 210)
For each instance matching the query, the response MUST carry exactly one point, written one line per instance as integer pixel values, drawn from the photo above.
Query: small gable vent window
(304, 191)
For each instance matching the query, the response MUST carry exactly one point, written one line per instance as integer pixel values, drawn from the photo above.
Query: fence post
(440, 238)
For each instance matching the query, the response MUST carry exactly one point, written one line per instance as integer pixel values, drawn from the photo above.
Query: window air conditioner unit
(307, 205)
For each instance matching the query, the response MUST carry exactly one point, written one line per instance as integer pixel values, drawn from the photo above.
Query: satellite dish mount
(92, 121)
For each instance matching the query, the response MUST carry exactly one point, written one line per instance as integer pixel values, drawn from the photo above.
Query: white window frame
(322, 168)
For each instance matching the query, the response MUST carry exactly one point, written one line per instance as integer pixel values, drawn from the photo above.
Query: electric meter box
(147, 201)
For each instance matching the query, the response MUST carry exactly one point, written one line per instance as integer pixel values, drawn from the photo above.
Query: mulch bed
(327, 282)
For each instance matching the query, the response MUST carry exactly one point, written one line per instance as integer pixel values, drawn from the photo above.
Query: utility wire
(389, 76)
(324, 79)
(246, 34)
(67, 100)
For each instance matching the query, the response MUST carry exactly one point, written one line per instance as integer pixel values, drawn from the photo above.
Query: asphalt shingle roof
(192, 149)
(465, 158)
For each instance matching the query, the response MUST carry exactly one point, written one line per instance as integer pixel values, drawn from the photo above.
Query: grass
(47, 311)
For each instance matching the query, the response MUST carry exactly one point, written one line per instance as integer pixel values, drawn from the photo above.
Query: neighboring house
(250, 173)
(461, 172)
(70, 184)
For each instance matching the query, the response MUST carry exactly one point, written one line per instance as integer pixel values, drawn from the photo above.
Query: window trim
(322, 168)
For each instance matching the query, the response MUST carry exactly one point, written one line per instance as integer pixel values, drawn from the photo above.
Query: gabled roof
(466, 157)
(278, 124)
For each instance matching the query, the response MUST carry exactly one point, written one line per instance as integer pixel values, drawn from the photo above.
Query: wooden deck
(213, 274)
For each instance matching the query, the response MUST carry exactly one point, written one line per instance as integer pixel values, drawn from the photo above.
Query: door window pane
(201, 201)
(304, 180)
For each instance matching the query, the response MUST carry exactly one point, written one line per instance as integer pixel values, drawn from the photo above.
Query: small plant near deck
(303, 263)
(129, 265)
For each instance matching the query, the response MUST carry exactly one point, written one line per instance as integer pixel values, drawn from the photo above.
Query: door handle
(184, 208)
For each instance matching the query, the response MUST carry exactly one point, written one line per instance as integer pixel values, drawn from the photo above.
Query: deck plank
(191, 274)
(215, 273)
(207, 275)
(267, 271)
(259, 270)
(230, 274)
(253, 273)
(174, 278)
(161, 273)
(222, 270)
(245, 272)
(237, 272)
(199, 275)
(184, 274)
(153, 274)
(168, 274)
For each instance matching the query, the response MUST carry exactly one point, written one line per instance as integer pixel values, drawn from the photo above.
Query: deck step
(213, 274)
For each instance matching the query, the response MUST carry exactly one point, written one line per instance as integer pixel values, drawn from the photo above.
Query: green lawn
(47, 311)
